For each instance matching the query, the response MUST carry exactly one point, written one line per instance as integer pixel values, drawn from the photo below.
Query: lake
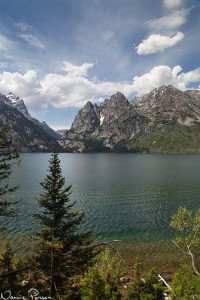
(130, 197)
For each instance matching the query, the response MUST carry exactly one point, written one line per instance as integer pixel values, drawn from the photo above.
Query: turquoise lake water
(128, 197)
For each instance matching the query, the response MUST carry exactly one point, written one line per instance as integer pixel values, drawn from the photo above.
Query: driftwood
(163, 280)
(110, 244)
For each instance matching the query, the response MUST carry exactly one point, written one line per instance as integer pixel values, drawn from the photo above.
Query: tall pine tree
(8, 156)
(63, 250)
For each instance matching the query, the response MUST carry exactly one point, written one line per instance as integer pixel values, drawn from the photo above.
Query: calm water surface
(124, 196)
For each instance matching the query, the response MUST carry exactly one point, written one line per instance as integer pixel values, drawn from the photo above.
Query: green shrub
(185, 284)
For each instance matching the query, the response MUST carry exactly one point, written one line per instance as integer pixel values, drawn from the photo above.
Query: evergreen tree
(6, 265)
(147, 289)
(63, 249)
(94, 287)
(8, 156)
(101, 282)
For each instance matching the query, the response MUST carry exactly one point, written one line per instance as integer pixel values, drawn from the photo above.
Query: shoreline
(161, 254)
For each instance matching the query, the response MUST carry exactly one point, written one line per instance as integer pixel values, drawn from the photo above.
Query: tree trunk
(193, 263)
(52, 285)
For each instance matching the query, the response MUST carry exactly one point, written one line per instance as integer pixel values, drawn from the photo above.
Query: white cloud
(32, 40)
(157, 42)
(5, 43)
(189, 77)
(64, 91)
(172, 3)
(171, 21)
(58, 90)
(25, 86)
(75, 71)
(16, 82)
(164, 75)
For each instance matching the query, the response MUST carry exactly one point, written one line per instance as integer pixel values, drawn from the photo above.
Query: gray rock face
(167, 103)
(194, 96)
(119, 123)
(48, 130)
(87, 120)
(164, 120)
(118, 120)
(114, 121)
(26, 134)
(18, 103)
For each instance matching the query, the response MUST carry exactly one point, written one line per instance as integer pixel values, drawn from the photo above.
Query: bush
(185, 284)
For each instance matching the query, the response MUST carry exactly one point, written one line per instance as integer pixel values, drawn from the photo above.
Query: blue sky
(58, 54)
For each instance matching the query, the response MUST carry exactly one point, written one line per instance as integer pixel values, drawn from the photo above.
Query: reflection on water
(124, 196)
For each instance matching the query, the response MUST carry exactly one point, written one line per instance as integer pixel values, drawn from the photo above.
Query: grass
(173, 138)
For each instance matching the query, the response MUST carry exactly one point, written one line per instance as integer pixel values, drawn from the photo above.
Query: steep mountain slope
(168, 103)
(107, 127)
(174, 120)
(18, 103)
(27, 136)
(164, 120)
(118, 120)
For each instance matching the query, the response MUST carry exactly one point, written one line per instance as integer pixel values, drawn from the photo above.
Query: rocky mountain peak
(88, 105)
(164, 91)
(12, 98)
(164, 120)
(87, 119)
(15, 102)
(107, 121)
(166, 97)
(117, 99)
(167, 104)
(18, 103)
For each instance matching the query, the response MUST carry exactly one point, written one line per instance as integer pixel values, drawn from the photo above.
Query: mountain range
(27, 133)
(166, 120)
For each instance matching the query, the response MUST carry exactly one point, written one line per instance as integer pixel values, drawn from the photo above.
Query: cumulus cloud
(24, 85)
(32, 40)
(64, 91)
(76, 71)
(61, 91)
(189, 77)
(172, 3)
(74, 88)
(157, 42)
(164, 75)
(16, 81)
(171, 21)
(5, 43)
